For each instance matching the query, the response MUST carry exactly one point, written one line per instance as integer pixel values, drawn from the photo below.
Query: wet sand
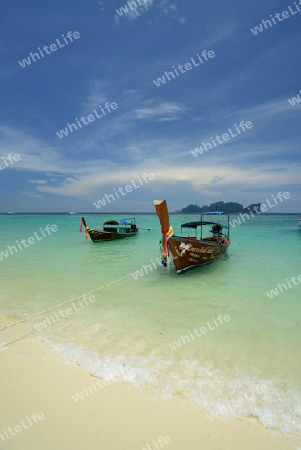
(113, 416)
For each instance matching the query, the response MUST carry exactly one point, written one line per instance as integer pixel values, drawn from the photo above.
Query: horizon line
(137, 212)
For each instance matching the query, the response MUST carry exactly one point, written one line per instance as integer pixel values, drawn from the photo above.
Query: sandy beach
(150, 261)
(112, 416)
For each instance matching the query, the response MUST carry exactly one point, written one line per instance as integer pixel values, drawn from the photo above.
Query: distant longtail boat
(112, 229)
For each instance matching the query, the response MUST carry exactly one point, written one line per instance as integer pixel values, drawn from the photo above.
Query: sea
(225, 336)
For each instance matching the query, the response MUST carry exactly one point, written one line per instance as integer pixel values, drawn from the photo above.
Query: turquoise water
(128, 332)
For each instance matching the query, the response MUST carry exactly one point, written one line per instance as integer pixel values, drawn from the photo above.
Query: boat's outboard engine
(216, 229)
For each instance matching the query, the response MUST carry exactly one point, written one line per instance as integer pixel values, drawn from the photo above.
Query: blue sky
(154, 128)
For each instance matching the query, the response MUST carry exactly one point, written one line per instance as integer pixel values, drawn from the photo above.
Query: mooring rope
(65, 303)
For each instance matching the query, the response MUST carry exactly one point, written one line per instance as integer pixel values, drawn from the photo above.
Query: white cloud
(38, 181)
(166, 6)
(164, 111)
(216, 179)
(169, 158)
(133, 12)
(266, 110)
(31, 194)
(96, 97)
(162, 6)
(101, 6)
(183, 20)
(130, 91)
(92, 185)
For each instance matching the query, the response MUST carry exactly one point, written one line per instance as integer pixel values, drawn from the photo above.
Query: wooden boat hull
(99, 235)
(189, 253)
(129, 229)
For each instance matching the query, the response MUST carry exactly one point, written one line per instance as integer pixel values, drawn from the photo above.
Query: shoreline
(114, 416)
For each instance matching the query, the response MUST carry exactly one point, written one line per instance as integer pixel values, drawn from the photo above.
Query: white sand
(115, 417)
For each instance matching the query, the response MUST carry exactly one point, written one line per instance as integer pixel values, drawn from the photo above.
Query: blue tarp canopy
(124, 222)
(214, 212)
(117, 222)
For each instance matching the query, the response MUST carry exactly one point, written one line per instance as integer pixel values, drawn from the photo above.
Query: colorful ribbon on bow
(81, 228)
(164, 245)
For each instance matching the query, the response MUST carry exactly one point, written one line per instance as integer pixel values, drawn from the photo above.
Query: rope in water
(65, 303)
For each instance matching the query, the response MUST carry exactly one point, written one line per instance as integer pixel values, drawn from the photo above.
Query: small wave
(274, 403)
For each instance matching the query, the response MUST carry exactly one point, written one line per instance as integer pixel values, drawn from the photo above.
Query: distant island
(228, 207)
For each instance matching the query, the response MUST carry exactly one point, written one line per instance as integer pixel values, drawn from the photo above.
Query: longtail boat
(189, 252)
(112, 229)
